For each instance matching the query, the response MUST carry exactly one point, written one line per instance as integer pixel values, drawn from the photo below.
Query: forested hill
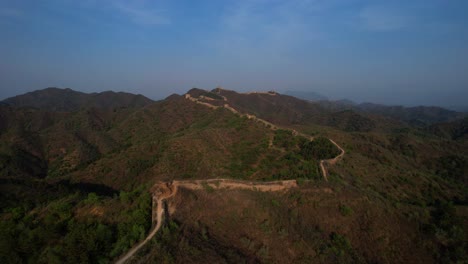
(74, 185)
(67, 100)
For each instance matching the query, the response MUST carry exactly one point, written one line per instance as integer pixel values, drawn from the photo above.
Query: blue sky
(397, 52)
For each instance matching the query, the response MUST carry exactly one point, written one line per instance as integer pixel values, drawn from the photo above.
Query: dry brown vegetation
(399, 195)
(301, 225)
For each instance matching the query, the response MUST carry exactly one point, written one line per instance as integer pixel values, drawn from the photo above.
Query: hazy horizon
(395, 53)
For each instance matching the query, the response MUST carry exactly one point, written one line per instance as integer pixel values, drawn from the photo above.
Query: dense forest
(69, 228)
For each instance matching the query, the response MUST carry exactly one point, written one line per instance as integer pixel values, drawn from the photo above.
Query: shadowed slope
(67, 100)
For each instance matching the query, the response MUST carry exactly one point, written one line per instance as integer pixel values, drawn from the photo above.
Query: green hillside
(75, 185)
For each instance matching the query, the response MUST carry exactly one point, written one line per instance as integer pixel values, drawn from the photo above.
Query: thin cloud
(143, 16)
(266, 25)
(383, 19)
(141, 12)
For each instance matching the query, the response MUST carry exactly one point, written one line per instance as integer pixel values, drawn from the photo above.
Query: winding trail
(331, 161)
(322, 163)
(132, 251)
(159, 195)
(165, 190)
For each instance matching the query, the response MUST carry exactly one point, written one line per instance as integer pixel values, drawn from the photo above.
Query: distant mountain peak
(68, 100)
(263, 92)
(307, 95)
(220, 89)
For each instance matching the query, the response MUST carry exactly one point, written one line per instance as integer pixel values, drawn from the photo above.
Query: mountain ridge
(414, 115)
(83, 180)
(306, 95)
(66, 100)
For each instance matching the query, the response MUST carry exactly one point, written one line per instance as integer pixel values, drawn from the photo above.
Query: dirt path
(337, 158)
(273, 186)
(322, 163)
(158, 198)
(331, 161)
(148, 238)
(164, 190)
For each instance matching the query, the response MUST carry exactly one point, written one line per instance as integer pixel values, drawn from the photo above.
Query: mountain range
(373, 184)
(307, 95)
(68, 100)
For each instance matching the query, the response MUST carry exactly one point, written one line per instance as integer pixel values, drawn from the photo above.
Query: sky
(410, 52)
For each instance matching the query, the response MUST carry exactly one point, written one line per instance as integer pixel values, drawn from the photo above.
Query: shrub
(93, 198)
(339, 244)
(319, 148)
(345, 210)
(284, 138)
(207, 187)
